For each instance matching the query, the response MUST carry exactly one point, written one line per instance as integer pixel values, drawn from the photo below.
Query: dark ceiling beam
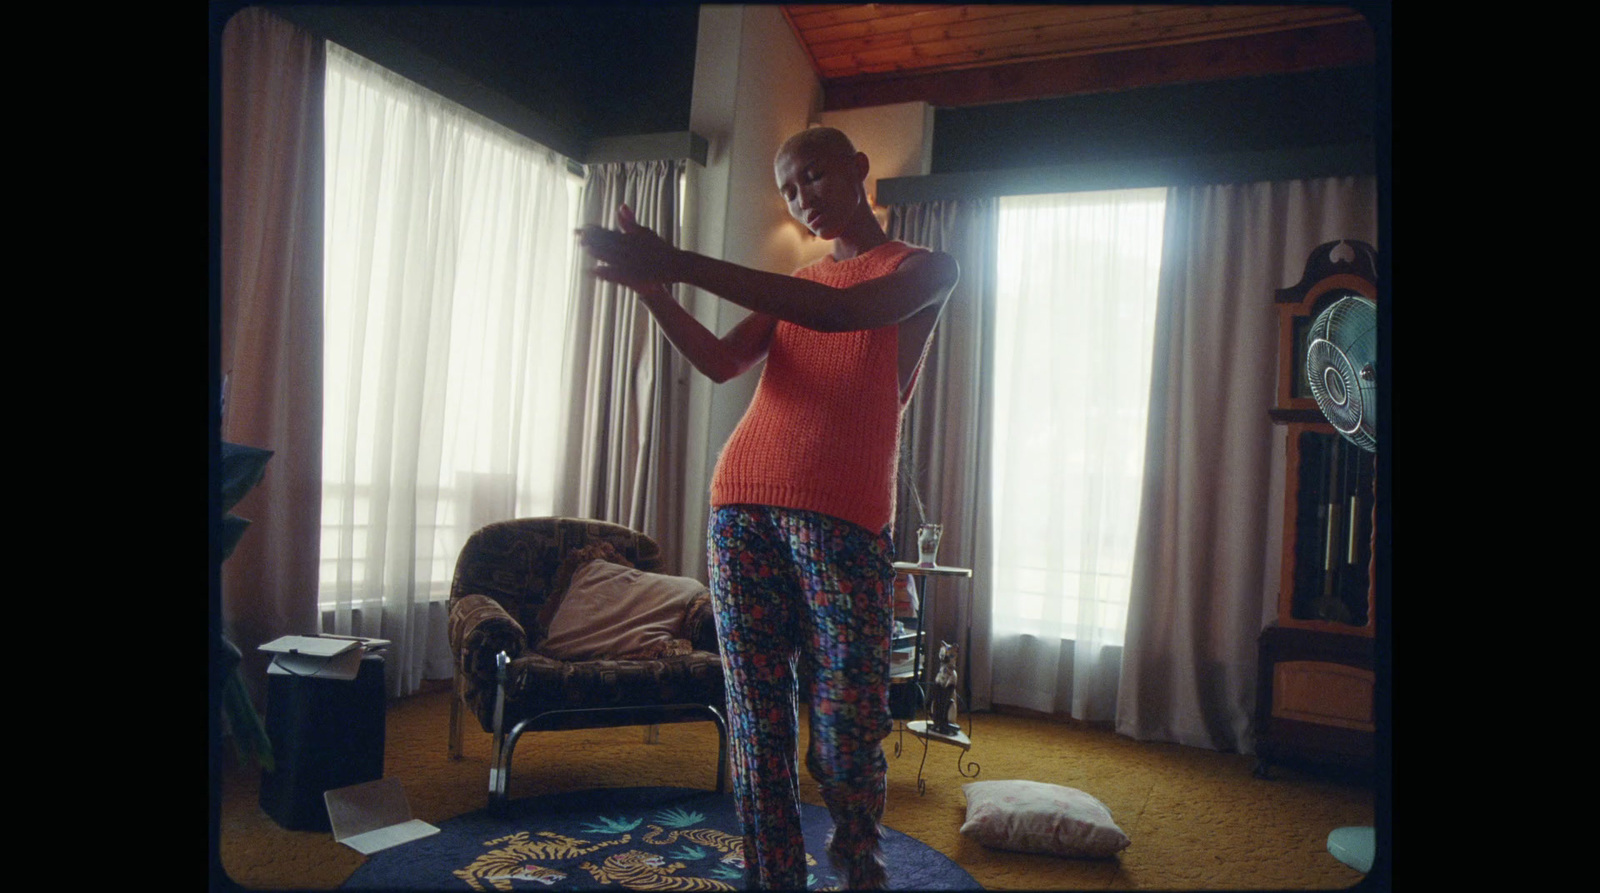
(1305, 49)
(1244, 166)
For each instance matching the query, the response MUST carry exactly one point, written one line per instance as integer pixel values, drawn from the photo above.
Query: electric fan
(1341, 365)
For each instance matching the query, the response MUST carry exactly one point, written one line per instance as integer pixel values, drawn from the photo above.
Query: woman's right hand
(633, 254)
(636, 258)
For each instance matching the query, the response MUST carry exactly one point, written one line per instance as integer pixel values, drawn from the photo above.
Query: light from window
(1076, 300)
(448, 250)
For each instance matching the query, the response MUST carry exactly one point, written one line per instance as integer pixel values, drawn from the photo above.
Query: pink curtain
(271, 325)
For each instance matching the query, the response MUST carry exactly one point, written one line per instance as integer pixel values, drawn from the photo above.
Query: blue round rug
(626, 838)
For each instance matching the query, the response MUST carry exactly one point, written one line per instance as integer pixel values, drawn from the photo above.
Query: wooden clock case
(1316, 684)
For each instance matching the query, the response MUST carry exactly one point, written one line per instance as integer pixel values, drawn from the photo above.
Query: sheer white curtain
(1074, 327)
(448, 247)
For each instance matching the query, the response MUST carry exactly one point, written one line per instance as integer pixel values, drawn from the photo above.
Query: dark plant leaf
(233, 527)
(242, 468)
(249, 732)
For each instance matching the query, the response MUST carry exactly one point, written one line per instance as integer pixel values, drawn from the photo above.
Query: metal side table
(924, 729)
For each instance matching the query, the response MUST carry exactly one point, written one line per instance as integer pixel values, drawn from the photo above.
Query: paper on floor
(373, 816)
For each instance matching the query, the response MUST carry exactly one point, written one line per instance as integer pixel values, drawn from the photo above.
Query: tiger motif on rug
(637, 870)
(731, 846)
(516, 860)
(721, 841)
(517, 856)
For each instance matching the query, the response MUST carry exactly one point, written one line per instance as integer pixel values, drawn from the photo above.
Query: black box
(905, 700)
(326, 734)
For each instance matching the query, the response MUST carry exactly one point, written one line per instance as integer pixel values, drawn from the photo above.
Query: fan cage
(1339, 363)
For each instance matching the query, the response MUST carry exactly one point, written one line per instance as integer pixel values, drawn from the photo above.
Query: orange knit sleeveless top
(822, 432)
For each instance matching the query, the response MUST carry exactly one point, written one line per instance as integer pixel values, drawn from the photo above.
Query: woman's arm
(635, 254)
(920, 281)
(719, 359)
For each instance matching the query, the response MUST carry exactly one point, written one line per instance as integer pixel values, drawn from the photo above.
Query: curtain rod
(670, 146)
(362, 36)
(1344, 159)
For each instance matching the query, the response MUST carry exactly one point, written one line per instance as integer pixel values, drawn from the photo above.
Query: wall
(898, 139)
(753, 87)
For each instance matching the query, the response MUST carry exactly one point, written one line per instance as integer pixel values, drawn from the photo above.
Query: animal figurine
(942, 697)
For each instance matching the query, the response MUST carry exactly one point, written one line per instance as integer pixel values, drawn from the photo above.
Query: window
(1075, 317)
(448, 247)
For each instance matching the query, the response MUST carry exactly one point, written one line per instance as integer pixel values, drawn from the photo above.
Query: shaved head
(823, 180)
(818, 142)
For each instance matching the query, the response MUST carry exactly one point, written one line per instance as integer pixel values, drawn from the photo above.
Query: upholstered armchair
(509, 586)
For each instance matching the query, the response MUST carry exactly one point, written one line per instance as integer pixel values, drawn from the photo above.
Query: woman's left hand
(632, 254)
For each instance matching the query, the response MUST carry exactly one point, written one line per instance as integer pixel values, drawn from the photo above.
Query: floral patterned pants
(803, 601)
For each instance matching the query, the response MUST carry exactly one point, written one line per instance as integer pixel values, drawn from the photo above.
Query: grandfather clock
(1315, 688)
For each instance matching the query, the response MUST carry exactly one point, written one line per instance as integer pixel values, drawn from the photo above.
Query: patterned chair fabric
(507, 573)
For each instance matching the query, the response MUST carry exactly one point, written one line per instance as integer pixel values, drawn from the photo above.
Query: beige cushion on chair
(612, 611)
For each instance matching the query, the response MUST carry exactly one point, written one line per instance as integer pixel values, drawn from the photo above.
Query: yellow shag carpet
(1198, 820)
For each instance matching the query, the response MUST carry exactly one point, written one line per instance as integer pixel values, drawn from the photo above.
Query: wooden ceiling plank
(809, 18)
(1271, 53)
(1054, 40)
(906, 25)
(838, 21)
(1029, 17)
(1226, 19)
(941, 26)
(1201, 22)
(816, 10)
(889, 27)
(982, 49)
(868, 20)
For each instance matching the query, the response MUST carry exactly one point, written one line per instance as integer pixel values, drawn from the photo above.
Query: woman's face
(823, 189)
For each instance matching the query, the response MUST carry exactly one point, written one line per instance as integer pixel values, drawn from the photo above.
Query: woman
(803, 494)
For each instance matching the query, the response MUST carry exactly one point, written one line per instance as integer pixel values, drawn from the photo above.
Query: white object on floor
(373, 816)
(1354, 846)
